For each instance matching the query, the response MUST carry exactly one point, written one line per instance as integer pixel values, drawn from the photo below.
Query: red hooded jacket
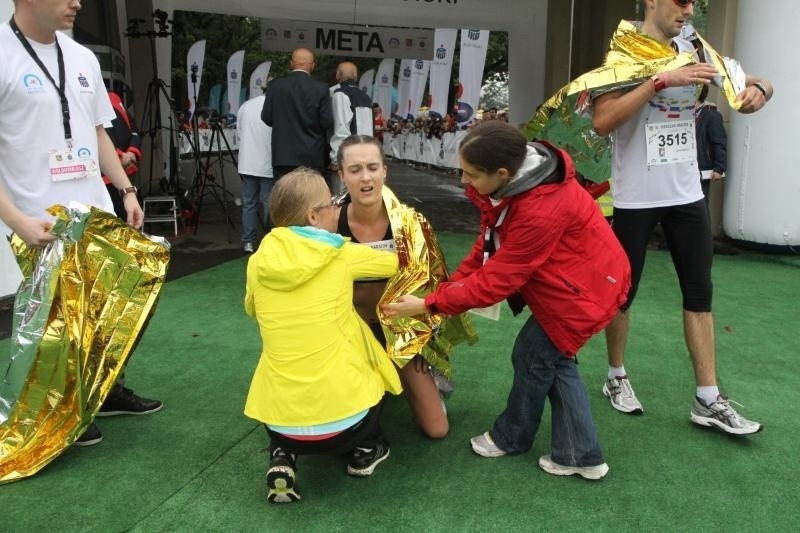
(556, 252)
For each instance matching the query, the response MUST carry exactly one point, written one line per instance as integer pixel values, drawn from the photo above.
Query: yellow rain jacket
(319, 363)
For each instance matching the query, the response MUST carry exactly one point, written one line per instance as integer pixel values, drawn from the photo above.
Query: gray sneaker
(722, 415)
(622, 397)
(484, 446)
(547, 464)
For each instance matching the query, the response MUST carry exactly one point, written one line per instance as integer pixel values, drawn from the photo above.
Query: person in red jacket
(125, 136)
(543, 243)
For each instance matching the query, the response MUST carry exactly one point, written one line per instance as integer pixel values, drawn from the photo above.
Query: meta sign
(346, 40)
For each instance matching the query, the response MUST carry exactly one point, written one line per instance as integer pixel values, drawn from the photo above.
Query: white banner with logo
(419, 78)
(345, 39)
(470, 75)
(235, 66)
(258, 79)
(444, 41)
(366, 81)
(415, 146)
(194, 72)
(384, 82)
(404, 86)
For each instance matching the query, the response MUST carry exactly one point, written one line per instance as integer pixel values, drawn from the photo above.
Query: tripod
(205, 182)
(151, 115)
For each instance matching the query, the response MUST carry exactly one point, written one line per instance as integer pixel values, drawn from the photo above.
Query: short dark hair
(494, 144)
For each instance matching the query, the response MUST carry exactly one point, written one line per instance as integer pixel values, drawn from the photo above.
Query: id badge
(670, 142)
(492, 312)
(67, 165)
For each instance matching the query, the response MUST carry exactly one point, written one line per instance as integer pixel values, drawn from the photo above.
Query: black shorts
(687, 232)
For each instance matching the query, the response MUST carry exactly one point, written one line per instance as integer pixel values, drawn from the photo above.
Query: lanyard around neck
(61, 75)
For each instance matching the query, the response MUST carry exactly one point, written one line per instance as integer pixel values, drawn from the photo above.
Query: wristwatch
(124, 191)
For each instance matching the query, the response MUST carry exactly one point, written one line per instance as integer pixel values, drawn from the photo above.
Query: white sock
(616, 372)
(709, 395)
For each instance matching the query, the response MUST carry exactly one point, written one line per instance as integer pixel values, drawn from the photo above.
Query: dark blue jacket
(712, 141)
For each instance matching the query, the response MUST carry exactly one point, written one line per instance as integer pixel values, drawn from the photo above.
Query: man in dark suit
(298, 108)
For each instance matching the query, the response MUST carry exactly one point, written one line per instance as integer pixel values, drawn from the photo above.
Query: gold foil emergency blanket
(83, 302)
(633, 58)
(422, 268)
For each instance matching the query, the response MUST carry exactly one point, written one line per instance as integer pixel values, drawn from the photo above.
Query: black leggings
(687, 232)
(366, 433)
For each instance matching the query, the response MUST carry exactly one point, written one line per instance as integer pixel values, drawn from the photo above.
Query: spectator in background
(128, 143)
(352, 110)
(255, 168)
(712, 141)
(450, 123)
(298, 108)
(377, 121)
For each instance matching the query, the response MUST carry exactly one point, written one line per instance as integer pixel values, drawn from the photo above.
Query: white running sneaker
(622, 397)
(547, 464)
(722, 415)
(484, 446)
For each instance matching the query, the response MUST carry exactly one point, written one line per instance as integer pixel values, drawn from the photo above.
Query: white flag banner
(404, 86)
(194, 72)
(444, 41)
(365, 82)
(470, 75)
(235, 65)
(419, 78)
(384, 80)
(258, 79)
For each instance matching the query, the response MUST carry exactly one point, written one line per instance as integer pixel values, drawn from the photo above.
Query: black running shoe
(123, 401)
(281, 486)
(364, 460)
(90, 436)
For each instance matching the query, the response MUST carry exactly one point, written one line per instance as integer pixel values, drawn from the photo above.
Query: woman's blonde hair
(294, 195)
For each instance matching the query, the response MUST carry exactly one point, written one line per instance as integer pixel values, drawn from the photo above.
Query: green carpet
(199, 464)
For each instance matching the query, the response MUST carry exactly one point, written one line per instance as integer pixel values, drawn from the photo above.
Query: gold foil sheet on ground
(84, 300)
(422, 268)
(633, 57)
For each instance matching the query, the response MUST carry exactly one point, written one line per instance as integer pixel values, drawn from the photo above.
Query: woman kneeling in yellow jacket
(322, 375)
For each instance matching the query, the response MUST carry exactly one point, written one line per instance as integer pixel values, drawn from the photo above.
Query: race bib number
(670, 142)
(66, 165)
(384, 246)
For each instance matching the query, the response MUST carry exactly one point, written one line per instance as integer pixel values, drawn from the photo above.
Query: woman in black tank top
(364, 218)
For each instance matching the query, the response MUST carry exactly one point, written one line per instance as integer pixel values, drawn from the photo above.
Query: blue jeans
(255, 190)
(541, 371)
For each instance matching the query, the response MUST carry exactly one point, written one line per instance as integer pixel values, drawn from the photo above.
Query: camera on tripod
(160, 18)
(162, 26)
(211, 116)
